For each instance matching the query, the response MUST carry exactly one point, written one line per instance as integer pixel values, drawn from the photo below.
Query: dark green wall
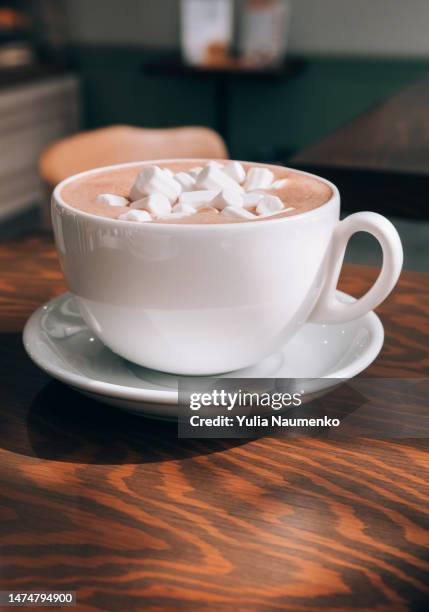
(268, 118)
(329, 93)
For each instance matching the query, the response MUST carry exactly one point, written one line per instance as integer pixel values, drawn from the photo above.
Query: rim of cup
(56, 195)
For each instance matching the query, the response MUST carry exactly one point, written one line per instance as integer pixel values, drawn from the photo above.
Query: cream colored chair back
(122, 143)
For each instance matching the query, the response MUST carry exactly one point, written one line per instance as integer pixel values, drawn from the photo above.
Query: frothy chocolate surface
(301, 192)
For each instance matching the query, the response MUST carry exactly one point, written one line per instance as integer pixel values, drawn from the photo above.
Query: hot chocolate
(195, 192)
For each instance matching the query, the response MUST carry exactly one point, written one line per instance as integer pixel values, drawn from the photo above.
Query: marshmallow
(228, 197)
(258, 178)
(269, 205)
(215, 164)
(153, 180)
(183, 209)
(112, 199)
(195, 171)
(279, 184)
(141, 216)
(197, 199)
(251, 200)
(235, 171)
(187, 181)
(168, 172)
(157, 204)
(211, 177)
(237, 213)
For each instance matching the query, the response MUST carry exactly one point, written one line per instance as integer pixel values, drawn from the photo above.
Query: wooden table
(380, 159)
(119, 509)
(392, 136)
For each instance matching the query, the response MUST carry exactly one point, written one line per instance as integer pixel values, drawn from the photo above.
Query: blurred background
(337, 87)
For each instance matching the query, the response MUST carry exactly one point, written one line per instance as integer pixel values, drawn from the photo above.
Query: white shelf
(32, 116)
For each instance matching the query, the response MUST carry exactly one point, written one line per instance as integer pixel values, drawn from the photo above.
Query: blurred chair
(123, 143)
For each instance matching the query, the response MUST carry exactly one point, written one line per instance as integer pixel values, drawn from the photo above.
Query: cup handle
(329, 309)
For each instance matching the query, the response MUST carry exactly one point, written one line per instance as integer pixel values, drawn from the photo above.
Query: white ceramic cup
(206, 299)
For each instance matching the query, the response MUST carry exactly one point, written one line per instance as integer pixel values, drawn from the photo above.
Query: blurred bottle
(264, 31)
(207, 31)
(15, 37)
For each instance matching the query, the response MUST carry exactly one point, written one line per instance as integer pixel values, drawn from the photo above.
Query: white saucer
(58, 341)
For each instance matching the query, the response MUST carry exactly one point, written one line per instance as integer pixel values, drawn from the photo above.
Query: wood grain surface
(119, 509)
(380, 158)
(392, 136)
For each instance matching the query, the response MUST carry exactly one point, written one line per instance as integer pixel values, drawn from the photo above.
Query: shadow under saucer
(63, 425)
